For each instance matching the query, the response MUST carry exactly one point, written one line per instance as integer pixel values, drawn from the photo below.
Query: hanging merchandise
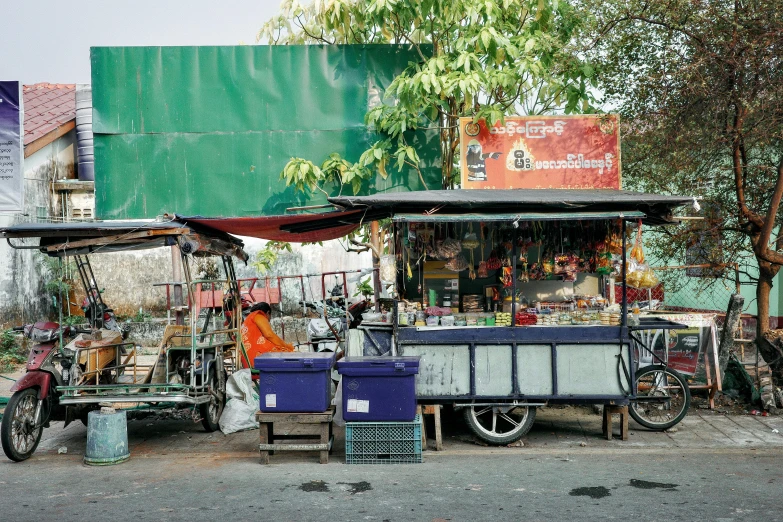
(457, 263)
(507, 277)
(482, 268)
(471, 242)
(388, 268)
(639, 274)
(636, 252)
(449, 248)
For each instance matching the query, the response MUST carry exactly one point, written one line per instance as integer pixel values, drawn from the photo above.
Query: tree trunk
(763, 290)
(770, 351)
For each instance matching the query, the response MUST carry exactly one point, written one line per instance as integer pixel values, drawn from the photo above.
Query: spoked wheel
(500, 424)
(19, 432)
(672, 393)
(211, 411)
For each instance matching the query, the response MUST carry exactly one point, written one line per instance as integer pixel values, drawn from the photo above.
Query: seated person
(258, 337)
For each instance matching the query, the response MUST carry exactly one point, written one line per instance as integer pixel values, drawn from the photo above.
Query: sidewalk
(576, 429)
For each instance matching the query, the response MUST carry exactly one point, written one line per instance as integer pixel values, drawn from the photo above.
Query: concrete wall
(21, 289)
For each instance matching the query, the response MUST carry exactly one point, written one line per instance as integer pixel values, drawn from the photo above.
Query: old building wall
(22, 298)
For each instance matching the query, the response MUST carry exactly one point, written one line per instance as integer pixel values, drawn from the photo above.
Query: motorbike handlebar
(18, 329)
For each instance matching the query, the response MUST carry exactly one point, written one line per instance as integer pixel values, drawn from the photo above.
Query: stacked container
(379, 389)
(294, 382)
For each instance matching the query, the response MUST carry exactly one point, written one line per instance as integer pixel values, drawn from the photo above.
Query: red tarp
(271, 227)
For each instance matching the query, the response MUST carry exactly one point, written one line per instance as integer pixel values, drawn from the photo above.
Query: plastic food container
(372, 317)
(294, 382)
(421, 316)
(432, 320)
(447, 320)
(381, 389)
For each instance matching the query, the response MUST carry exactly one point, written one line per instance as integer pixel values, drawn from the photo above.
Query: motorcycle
(326, 333)
(34, 401)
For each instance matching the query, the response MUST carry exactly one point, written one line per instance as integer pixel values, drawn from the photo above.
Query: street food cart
(192, 361)
(506, 297)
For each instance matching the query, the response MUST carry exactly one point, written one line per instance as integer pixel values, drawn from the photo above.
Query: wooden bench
(322, 431)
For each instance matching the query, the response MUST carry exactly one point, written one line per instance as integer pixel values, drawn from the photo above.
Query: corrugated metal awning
(521, 216)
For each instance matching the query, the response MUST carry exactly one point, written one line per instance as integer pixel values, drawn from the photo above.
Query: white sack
(240, 410)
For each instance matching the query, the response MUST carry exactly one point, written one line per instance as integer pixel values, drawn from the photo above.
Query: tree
(700, 86)
(479, 58)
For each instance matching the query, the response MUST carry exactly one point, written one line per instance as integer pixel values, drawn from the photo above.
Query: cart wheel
(211, 411)
(500, 424)
(18, 432)
(675, 397)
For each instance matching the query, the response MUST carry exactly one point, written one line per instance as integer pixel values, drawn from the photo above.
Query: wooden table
(321, 424)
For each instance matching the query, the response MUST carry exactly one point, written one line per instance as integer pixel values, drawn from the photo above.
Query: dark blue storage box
(379, 389)
(294, 382)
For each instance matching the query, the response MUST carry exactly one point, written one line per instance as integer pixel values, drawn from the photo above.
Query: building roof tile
(46, 107)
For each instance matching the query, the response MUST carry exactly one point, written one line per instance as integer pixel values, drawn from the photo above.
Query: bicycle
(662, 394)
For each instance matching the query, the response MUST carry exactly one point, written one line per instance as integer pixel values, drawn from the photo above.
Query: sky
(50, 40)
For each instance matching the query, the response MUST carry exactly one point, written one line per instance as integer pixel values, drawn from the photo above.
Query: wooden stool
(322, 421)
(606, 425)
(434, 410)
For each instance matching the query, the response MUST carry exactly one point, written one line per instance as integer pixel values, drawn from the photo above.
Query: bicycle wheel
(663, 397)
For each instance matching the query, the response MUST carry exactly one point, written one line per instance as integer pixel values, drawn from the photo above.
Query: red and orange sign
(566, 152)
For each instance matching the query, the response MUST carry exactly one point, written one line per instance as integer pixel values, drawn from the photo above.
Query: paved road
(561, 484)
(714, 467)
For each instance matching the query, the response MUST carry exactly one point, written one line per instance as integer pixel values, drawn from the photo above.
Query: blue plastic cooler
(379, 389)
(294, 382)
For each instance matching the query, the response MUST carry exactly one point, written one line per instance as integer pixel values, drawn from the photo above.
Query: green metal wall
(207, 130)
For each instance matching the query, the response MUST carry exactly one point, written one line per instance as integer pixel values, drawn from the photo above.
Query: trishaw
(501, 354)
(65, 380)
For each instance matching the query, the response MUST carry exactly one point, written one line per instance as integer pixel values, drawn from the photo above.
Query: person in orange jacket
(258, 336)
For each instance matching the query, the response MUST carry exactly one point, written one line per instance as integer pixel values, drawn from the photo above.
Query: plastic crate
(383, 442)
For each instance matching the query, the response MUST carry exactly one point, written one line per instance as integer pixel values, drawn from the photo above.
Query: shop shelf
(383, 442)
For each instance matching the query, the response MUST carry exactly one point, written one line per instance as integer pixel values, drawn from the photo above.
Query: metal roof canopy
(523, 216)
(656, 208)
(61, 239)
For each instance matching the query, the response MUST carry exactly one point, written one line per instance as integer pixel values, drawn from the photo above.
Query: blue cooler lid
(378, 365)
(294, 361)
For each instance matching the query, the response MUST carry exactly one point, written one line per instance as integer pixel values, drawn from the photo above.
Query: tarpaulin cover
(336, 225)
(657, 208)
(208, 130)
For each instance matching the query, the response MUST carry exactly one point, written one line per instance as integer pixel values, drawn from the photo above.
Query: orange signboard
(541, 152)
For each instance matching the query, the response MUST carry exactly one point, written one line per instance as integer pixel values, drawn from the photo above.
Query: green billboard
(207, 130)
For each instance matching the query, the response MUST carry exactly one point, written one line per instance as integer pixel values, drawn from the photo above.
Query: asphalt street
(571, 484)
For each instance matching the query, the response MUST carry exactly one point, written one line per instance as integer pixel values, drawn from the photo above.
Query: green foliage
(478, 58)
(364, 289)
(141, 316)
(10, 351)
(267, 256)
(700, 88)
(73, 320)
(55, 273)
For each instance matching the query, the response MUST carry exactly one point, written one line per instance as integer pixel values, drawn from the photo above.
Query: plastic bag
(640, 275)
(337, 402)
(240, 410)
(388, 269)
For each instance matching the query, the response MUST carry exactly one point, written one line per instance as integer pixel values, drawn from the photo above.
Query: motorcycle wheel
(18, 433)
(212, 410)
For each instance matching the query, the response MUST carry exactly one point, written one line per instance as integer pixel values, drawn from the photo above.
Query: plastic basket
(383, 442)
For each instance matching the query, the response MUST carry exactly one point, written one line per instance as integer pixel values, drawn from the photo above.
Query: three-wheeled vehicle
(65, 380)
